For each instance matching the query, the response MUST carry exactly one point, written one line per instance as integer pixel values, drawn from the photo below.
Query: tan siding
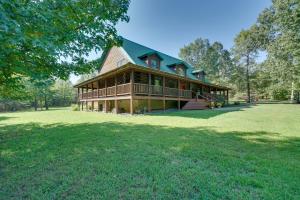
(115, 55)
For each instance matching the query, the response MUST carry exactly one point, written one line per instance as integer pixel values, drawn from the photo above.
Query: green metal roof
(135, 51)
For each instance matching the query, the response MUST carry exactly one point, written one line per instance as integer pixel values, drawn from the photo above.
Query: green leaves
(35, 35)
(213, 59)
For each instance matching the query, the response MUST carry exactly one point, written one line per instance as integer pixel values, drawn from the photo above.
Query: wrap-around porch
(138, 85)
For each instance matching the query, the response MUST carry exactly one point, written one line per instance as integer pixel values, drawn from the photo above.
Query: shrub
(220, 104)
(236, 103)
(279, 93)
(75, 107)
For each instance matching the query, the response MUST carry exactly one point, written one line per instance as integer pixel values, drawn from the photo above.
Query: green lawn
(249, 153)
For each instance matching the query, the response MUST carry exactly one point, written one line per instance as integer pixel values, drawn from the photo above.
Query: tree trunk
(292, 92)
(248, 80)
(35, 103)
(41, 102)
(46, 103)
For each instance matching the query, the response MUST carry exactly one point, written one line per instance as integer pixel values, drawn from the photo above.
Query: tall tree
(279, 28)
(245, 50)
(36, 35)
(277, 33)
(213, 59)
(63, 93)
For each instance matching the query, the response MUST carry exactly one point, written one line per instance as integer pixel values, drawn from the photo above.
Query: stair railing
(196, 95)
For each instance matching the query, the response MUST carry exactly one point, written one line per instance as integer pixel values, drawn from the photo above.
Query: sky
(168, 25)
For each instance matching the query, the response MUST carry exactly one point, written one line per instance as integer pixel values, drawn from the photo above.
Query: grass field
(249, 153)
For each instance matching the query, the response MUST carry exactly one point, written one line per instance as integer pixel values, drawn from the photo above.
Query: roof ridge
(155, 50)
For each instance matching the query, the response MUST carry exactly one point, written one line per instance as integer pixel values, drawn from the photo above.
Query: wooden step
(199, 104)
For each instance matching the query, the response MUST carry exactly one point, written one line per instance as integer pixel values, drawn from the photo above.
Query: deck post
(98, 89)
(227, 96)
(164, 98)
(86, 102)
(82, 92)
(149, 92)
(105, 86)
(131, 91)
(116, 106)
(178, 101)
(105, 106)
(92, 97)
(78, 98)
(116, 101)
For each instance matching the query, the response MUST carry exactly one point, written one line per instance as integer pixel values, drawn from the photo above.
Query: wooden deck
(138, 90)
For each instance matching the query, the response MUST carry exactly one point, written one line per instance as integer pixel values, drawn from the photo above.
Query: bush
(220, 104)
(11, 105)
(236, 103)
(75, 107)
(280, 93)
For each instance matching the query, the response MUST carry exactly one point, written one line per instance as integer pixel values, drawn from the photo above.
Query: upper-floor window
(153, 63)
(180, 71)
(152, 59)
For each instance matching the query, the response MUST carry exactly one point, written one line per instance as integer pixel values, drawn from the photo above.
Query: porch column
(178, 101)
(149, 92)
(98, 88)
(105, 106)
(164, 98)
(78, 94)
(227, 96)
(92, 97)
(131, 91)
(86, 102)
(105, 86)
(116, 106)
(78, 98)
(87, 90)
(116, 101)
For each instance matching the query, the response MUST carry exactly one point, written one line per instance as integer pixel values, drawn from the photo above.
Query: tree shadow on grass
(201, 114)
(3, 118)
(129, 161)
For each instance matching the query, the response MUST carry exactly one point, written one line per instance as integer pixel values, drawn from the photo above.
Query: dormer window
(152, 59)
(200, 74)
(153, 63)
(181, 71)
(179, 68)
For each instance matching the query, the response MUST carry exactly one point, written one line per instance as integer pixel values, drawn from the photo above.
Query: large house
(135, 79)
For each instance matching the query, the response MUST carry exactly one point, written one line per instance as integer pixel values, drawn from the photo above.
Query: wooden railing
(185, 93)
(156, 89)
(111, 91)
(94, 93)
(90, 95)
(172, 92)
(123, 89)
(139, 89)
(213, 97)
(102, 92)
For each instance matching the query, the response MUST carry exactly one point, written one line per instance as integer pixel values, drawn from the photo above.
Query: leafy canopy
(212, 58)
(36, 36)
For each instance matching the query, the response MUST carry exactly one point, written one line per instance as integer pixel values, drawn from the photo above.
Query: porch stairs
(196, 104)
